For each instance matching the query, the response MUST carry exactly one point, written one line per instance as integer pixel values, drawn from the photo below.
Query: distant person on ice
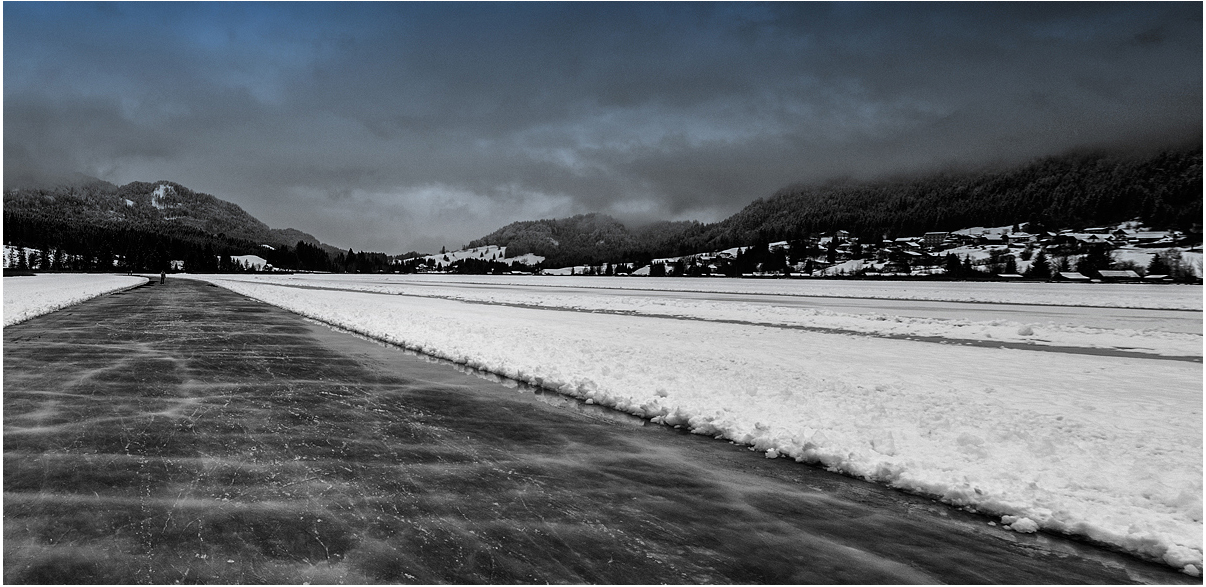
(162, 277)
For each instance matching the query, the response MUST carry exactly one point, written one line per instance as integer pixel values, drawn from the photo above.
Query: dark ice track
(183, 433)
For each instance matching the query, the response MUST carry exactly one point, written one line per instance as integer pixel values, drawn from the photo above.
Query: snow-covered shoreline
(32, 296)
(1105, 448)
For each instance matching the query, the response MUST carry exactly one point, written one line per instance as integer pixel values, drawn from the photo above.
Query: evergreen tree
(954, 268)
(1039, 268)
(1178, 268)
(1095, 260)
(776, 261)
(797, 251)
(994, 262)
(1157, 266)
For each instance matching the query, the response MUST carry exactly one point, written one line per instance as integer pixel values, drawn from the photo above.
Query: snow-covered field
(1188, 297)
(27, 297)
(1031, 332)
(1104, 447)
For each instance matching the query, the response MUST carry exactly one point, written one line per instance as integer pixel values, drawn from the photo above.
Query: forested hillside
(142, 205)
(1163, 190)
(1075, 191)
(143, 226)
(591, 238)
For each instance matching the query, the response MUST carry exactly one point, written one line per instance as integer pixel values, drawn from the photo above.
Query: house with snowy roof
(934, 239)
(1118, 275)
(1151, 237)
(1071, 276)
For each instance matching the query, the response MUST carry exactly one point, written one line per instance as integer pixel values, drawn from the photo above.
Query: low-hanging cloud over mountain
(396, 126)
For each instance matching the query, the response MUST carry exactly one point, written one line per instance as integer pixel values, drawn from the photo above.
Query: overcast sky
(400, 126)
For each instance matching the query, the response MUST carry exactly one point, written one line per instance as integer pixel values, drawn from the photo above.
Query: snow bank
(27, 297)
(1101, 447)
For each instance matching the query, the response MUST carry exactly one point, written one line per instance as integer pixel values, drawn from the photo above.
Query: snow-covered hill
(484, 253)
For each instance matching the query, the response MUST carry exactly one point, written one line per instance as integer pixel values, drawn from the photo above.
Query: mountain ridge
(1163, 188)
(86, 200)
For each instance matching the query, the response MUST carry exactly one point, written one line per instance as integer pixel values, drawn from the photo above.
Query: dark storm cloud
(402, 125)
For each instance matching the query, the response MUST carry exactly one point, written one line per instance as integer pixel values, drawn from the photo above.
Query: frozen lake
(1070, 408)
(207, 437)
